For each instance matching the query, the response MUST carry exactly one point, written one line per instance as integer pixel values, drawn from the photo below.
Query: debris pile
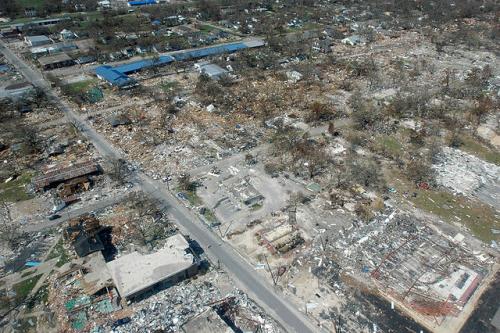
(468, 175)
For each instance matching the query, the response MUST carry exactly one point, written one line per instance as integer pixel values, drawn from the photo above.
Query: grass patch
(16, 21)
(210, 216)
(206, 28)
(78, 88)
(15, 190)
(169, 85)
(257, 206)
(476, 216)
(30, 3)
(305, 26)
(40, 297)
(191, 196)
(25, 274)
(59, 252)
(388, 146)
(24, 287)
(476, 148)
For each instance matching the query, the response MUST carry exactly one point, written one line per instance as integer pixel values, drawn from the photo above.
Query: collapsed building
(226, 315)
(60, 174)
(85, 293)
(427, 273)
(281, 239)
(208, 321)
(67, 191)
(83, 234)
(135, 273)
(55, 61)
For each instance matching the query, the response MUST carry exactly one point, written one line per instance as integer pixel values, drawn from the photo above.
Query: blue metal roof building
(142, 3)
(117, 76)
(142, 64)
(187, 55)
(114, 77)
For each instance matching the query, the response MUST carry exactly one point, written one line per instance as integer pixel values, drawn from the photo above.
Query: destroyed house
(135, 273)
(208, 321)
(62, 174)
(83, 233)
(56, 61)
(93, 273)
(86, 59)
(86, 244)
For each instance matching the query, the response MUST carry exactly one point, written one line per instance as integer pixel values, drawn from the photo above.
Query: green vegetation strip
(478, 217)
(78, 87)
(388, 145)
(24, 287)
(25, 274)
(191, 196)
(210, 216)
(15, 190)
(40, 297)
(59, 251)
(169, 85)
(474, 147)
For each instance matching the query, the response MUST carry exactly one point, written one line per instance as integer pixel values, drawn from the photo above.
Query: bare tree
(364, 172)
(186, 184)
(118, 170)
(320, 112)
(419, 171)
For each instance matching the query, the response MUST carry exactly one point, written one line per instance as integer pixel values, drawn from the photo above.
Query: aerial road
(243, 274)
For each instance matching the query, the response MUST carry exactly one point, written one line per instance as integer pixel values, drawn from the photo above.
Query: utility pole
(229, 226)
(270, 270)
(220, 232)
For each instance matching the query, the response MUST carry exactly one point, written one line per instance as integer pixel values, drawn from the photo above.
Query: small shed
(352, 40)
(211, 70)
(66, 34)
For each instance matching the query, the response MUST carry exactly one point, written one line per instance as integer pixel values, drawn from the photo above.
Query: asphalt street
(69, 214)
(244, 275)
